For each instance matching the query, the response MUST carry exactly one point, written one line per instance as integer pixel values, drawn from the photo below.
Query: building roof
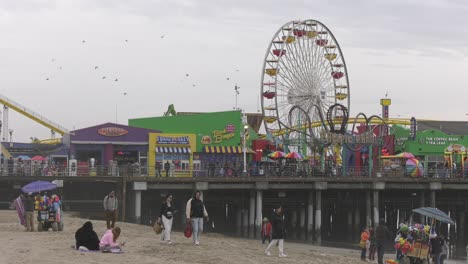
(253, 119)
(448, 127)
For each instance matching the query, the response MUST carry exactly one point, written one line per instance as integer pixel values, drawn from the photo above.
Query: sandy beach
(144, 246)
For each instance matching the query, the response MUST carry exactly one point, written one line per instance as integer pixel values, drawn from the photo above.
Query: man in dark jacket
(382, 234)
(278, 229)
(28, 203)
(86, 237)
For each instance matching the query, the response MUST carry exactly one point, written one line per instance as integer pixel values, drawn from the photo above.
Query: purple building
(110, 141)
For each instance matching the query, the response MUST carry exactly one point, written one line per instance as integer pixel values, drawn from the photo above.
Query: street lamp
(244, 122)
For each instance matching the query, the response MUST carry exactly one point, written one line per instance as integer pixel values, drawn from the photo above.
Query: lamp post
(244, 123)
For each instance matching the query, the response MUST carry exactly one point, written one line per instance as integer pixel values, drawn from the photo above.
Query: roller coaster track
(388, 121)
(33, 115)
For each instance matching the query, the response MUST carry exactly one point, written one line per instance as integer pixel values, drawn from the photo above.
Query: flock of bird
(115, 79)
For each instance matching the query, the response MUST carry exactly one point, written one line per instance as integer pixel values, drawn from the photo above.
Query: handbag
(157, 228)
(188, 230)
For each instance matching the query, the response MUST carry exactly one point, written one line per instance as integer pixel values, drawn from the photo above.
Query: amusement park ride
(306, 97)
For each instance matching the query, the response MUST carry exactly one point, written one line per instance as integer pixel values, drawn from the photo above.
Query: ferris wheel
(304, 75)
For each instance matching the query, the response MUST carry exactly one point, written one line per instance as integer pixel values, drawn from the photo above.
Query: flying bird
(237, 70)
(186, 75)
(162, 36)
(227, 78)
(96, 67)
(47, 79)
(83, 41)
(126, 40)
(193, 85)
(116, 80)
(60, 67)
(124, 93)
(103, 77)
(53, 59)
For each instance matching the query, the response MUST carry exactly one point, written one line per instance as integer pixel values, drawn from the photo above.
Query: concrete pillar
(318, 217)
(294, 224)
(349, 234)
(422, 203)
(245, 222)
(376, 208)
(252, 215)
(433, 199)
(310, 216)
(357, 221)
(239, 221)
(258, 214)
(138, 207)
(460, 243)
(368, 209)
(302, 218)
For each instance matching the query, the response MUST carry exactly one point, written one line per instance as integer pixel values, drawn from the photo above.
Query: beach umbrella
(294, 155)
(38, 186)
(38, 158)
(405, 155)
(414, 167)
(24, 157)
(434, 213)
(276, 155)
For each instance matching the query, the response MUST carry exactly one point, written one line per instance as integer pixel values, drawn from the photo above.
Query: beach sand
(144, 246)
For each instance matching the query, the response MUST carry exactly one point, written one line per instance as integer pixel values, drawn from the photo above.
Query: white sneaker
(268, 253)
(197, 243)
(169, 242)
(282, 255)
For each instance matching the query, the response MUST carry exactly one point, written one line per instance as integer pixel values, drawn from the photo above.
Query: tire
(60, 226)
(55, 226)
(40, 227)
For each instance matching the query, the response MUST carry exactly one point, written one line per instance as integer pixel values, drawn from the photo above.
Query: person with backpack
(195, 211)
(166, 215)
(110, 209)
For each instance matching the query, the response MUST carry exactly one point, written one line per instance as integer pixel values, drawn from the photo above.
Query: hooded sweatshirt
(195, 208)
(86, 237)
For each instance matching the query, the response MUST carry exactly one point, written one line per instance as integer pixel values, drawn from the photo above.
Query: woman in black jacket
(86, 237)
(278, 230)
(166, 216)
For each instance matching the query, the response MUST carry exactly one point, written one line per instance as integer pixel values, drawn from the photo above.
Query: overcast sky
(414, 49)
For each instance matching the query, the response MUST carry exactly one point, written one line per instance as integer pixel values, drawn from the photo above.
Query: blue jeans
(197, 228)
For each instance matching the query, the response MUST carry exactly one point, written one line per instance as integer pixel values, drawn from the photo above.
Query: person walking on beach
(166, 216)
(110, 209)
(28, 203)
(195, 211)
(278, 228)
(363, 243)
(382, 234)
(167, 166)
(372, 245)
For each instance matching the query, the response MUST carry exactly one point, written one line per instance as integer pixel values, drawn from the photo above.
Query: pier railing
(136, 170)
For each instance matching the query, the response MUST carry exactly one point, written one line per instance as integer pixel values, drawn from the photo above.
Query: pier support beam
(258, 214)
(252, 215)
(368, 209)
(376, 208)
(239, 221)
(310, 216)
(357, 221)
(138, 207)
(318, 217)
(302, 218)
(245, 222)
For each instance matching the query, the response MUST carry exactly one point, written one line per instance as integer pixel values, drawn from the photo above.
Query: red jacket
(266, 229)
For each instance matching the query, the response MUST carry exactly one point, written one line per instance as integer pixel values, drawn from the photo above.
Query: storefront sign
(438, 140)
(366, 138)
(226, 133)
(413, 128)
(167, 140)
(112, 131)
(205, 140)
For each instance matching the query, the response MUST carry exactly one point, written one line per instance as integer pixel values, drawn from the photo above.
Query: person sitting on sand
(86, 238)
(108, 241)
